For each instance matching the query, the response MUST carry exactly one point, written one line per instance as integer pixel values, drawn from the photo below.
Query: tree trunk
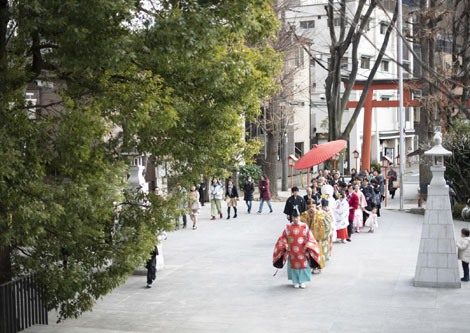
(5, 264)
(270, 164)
(426, 123)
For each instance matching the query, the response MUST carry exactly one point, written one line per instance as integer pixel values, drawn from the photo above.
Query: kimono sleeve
(280, 251)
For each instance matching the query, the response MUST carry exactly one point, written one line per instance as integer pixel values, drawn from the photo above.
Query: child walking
(371, 221)
(464, 253)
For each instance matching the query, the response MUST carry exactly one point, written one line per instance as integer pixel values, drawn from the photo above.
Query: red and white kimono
(298, 243)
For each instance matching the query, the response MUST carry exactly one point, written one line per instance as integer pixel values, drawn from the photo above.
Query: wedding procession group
(330, 212)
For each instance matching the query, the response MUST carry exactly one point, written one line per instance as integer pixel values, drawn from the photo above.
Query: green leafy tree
(174, 81)
(457, 140)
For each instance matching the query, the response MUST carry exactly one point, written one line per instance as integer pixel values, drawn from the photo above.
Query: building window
(367, 25)
(406, 66)
(344, 63)
(299, 149)
(365, 62)
(336, 21)
(307, 24)
(319, 17)
(385, 65)
(385, 97)
(299, 57)
(383, 27)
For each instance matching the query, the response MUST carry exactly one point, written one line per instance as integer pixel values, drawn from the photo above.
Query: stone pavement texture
(219, 278)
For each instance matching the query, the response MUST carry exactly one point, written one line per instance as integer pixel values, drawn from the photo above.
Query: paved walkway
(219, 278)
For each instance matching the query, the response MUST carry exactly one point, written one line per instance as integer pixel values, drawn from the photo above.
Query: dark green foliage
(252, 170)
(375, 165)
(457, 140)
(174, 83)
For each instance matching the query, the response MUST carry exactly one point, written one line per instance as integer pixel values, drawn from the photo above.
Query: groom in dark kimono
(295, 201)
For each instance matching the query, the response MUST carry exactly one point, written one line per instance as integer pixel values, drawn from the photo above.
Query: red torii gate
(370, 103)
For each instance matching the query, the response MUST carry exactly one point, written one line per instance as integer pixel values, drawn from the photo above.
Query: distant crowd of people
(332, 210)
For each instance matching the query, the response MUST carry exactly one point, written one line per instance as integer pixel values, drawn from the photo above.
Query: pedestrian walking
(463, 245)
(216, 193)
(248, 190)
(375, 197)
(194, 205)
(381, 182)
(151, 266)
(265, 194)
(231, 195)
(392, 178)
(299, 247)
(201, 188)
(372, 220)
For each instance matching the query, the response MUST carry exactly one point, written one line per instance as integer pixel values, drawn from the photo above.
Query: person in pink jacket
(264, 193)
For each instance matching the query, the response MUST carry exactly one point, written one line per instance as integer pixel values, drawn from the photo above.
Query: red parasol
(320, 153)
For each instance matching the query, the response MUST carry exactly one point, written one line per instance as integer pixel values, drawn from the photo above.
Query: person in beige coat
(463, 246)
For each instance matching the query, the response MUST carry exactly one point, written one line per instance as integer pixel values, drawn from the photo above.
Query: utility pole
(401, 109)
(283, 147)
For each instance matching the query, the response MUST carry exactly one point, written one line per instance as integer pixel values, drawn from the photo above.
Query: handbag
(396, 184)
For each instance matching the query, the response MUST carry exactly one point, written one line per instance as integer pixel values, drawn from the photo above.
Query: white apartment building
(310, 21)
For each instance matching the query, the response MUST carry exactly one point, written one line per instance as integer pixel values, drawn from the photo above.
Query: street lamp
(386, 164)
(291, 160)
(356, 156)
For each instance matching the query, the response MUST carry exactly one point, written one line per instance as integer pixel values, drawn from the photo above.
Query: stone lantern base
(437, 265)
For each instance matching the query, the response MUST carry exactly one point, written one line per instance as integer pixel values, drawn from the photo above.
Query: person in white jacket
(216, 193)
(463, 246)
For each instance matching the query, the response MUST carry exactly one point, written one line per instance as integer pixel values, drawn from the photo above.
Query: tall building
(309, 19)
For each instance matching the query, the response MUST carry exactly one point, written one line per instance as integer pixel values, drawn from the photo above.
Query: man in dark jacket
(201, 188)
(248, 190)
(152, 267)
(294, 201)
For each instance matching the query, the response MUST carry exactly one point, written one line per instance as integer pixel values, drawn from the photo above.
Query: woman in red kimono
(298, 246)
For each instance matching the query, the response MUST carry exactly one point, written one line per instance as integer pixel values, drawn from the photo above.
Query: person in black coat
(201, 188)
(392, 176)
(375, 198)
(248, 190)
(152, 267)
(294, 201)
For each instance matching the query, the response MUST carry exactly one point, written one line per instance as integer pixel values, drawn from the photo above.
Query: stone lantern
(437, 265)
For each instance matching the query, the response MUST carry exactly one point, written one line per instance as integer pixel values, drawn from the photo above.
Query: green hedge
(252, 170)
